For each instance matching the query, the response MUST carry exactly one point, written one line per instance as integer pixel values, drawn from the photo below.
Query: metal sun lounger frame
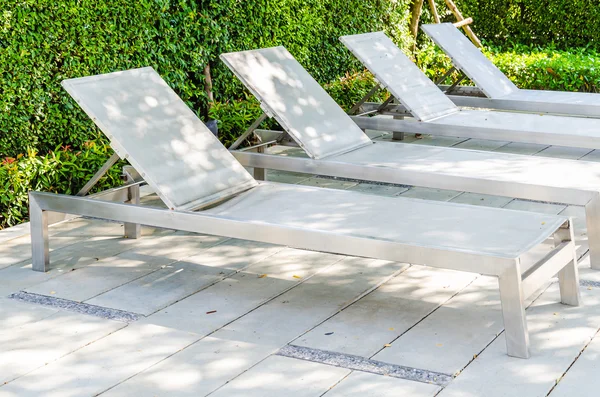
(495, 90)
(515, 285)
(564, 192)
(436, 114)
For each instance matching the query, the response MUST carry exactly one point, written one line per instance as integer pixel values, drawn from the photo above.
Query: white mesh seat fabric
(149, 125)
(302, 107)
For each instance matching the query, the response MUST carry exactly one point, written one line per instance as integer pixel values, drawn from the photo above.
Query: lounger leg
(132, 230)
(568, 277)
(260, 174)
(398, 136)
(513, 312)
(40, 252)
(592, 219)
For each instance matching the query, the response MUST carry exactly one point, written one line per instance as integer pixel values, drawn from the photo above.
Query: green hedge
(61, 171)
(45, 41)
(550, 69)
(566, 23)
(529, 67)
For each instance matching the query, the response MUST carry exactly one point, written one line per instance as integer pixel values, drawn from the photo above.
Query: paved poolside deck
(180, 314)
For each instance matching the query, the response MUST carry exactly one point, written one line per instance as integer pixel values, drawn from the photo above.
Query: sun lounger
(288, 93)
(436, 114)
(501, 92)
(207, 191)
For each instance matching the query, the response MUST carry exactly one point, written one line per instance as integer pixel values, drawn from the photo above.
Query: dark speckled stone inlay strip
(78, 307)
(365, 365)
(589, 283)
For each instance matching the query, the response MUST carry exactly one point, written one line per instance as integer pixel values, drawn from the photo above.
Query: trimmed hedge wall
(566, 23)
(549, 69)
(45, 41)
(529, 67)
(61, 171)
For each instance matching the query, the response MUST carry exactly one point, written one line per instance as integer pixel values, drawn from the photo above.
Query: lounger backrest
(468, 58)
(151, 127)
(301, 106)
(403, 79)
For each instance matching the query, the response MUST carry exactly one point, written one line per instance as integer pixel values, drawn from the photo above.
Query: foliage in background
(45, 41)
(234, 117)
(549, 69)
(529, 67)
(61, 171)
(310, 30)
(351, 88)
(566, 23)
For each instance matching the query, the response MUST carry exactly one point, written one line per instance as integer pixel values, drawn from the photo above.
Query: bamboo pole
(464, 22)
(208, 85)
(416, 8)
(436, 16)
(460, 18)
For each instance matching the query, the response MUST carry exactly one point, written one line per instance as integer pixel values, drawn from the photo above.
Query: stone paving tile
(100, 365)
(38, 343)
(481, 144)
(361, 384)
(159, 289)
(213, 307)
(426, 193)
(408, 138)
(482, 200)
(281, 376)
(61, 235)
(521, 148)
(287, 177)
(366, 326)
(14, 313)
(448, 339)
(85, 283)
(13, 232)
(247, 341)
(433, 140)
(533, 206)
(15, 278)
(75, 256)
(581, 379)
(594, 155)
(557, 334)
(380, 190)
(564, 152)
(176, 245)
